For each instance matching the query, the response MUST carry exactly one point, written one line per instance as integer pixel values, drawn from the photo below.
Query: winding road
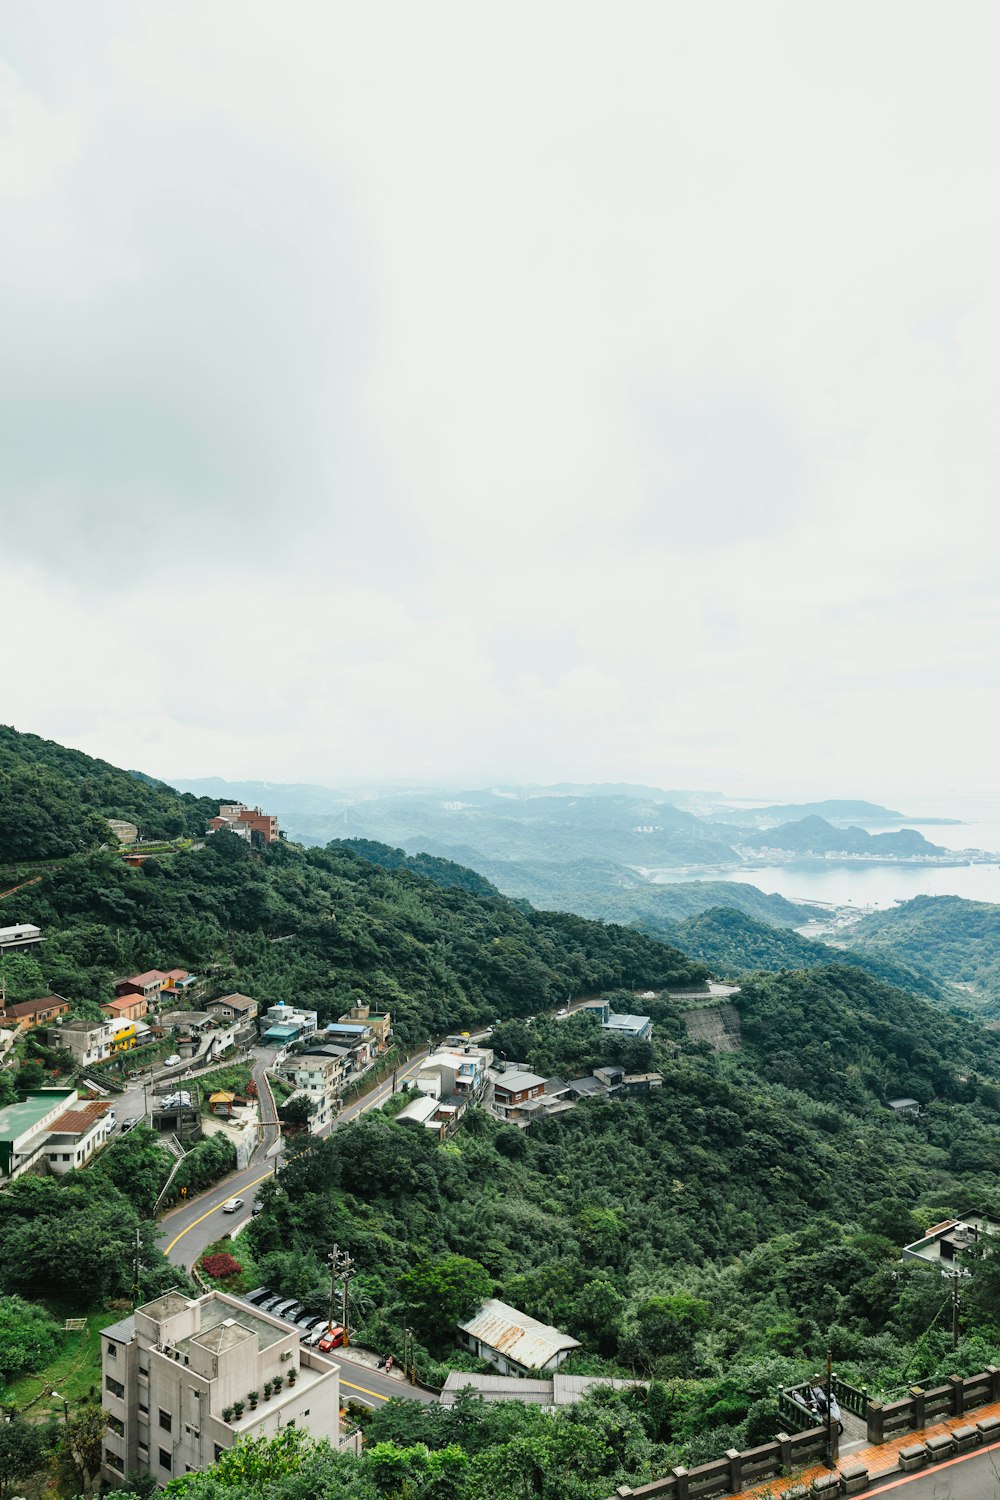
(188, 1228)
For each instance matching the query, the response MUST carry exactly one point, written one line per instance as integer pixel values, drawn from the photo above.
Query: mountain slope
(732, 944)
(957, 941)
(54, 801)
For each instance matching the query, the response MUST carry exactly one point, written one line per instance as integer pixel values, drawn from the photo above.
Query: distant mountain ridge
(814, 835)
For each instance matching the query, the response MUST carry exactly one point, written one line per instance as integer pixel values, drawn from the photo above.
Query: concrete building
(283, 1024)
(513, 1342)
(380, 1022)
(174, 1371)
(513, 1088)
(27, 1014)
(88, 1042)
(428, 1111)
(126, 1007)
(148, 984)
(944, 1244)
(77, 1135)
(357, 1036)
(238, 1008)
(248, 822)
(25, 1128)
(640, 1028)
(22, 935)
(456, 1073)
(318, 1074)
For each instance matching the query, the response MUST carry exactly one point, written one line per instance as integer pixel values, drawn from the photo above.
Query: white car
(172, 1061)
(231, 1205)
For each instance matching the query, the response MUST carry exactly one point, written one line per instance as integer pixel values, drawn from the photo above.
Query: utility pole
(333, 1260)
(347, 1271)
(410, 1372)
(955, 1304)
(135, 1271)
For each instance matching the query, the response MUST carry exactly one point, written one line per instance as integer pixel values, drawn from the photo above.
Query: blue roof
(356, 1026)
(281, 1033)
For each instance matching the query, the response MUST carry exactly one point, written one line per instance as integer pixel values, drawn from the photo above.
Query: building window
(113, 1461)
(114, 1386)
(219, 1451)
(165, 1459)
(166, 1420)
(144, 1410)
(144, 1373)
(117, 1426)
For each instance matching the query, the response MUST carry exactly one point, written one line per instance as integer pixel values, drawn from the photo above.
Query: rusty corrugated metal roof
(522, 1339)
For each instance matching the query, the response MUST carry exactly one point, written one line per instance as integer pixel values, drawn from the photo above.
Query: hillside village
(334, 1081)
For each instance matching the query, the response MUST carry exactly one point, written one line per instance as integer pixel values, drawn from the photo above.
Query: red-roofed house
(24, 1014)
(76, 1135)
(127, 1007)
(148, 985)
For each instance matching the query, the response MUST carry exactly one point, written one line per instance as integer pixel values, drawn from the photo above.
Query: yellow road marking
(205, 1215)
(363, 1388)
(194, 1222)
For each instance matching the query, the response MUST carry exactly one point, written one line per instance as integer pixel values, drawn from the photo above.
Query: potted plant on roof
(227, 1414)
(292, 1376)
(239, 1407)
(279, 1381)
(253, 1398)
(268, 1388)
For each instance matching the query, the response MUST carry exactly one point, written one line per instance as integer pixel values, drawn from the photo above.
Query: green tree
(438, 1293)
(22, 1452)
(29, 1337)
(298, 1110)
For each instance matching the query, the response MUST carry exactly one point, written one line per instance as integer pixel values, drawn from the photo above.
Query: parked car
(293, 1313)
(280, 1308)
(315, 1334)
(332, 1339)
(561, 1012)
(173, 1060)
(308, 1321)
(231, 1205)
(268, 1304)
(128, 1125)
(257, 1206)
(258, 1294)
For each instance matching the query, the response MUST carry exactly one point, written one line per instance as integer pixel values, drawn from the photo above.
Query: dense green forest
(715, 1236)
(55, 802)
(955, 940)
(712, 1238)
(325, 928)
(733, 944)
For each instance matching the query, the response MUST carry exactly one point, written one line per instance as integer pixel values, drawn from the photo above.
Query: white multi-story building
(318, 1074)
(174, 1371)
(89, 1041)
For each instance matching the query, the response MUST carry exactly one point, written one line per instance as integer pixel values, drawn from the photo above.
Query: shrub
(221, 1266)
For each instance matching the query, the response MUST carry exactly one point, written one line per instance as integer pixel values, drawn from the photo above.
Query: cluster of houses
(461, 1074)
(332, 1056)
(249, 823)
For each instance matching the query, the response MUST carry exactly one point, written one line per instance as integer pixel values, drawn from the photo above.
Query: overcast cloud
(540, 391)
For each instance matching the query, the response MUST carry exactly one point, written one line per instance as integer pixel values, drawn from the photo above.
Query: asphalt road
(192, 1226)
(189, 1228)
(973, 1476)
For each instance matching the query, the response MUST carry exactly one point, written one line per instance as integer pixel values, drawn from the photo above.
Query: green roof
(15, 1119)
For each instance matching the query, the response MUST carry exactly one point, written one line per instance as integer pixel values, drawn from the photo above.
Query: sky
(528, 391)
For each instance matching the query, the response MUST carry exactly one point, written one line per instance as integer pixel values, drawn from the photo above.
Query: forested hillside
(325, 928)
(55, 801)
(733, 944)
(957, 941)
(717, 1235)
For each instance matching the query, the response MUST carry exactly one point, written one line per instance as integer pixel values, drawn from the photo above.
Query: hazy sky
(477, 391)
